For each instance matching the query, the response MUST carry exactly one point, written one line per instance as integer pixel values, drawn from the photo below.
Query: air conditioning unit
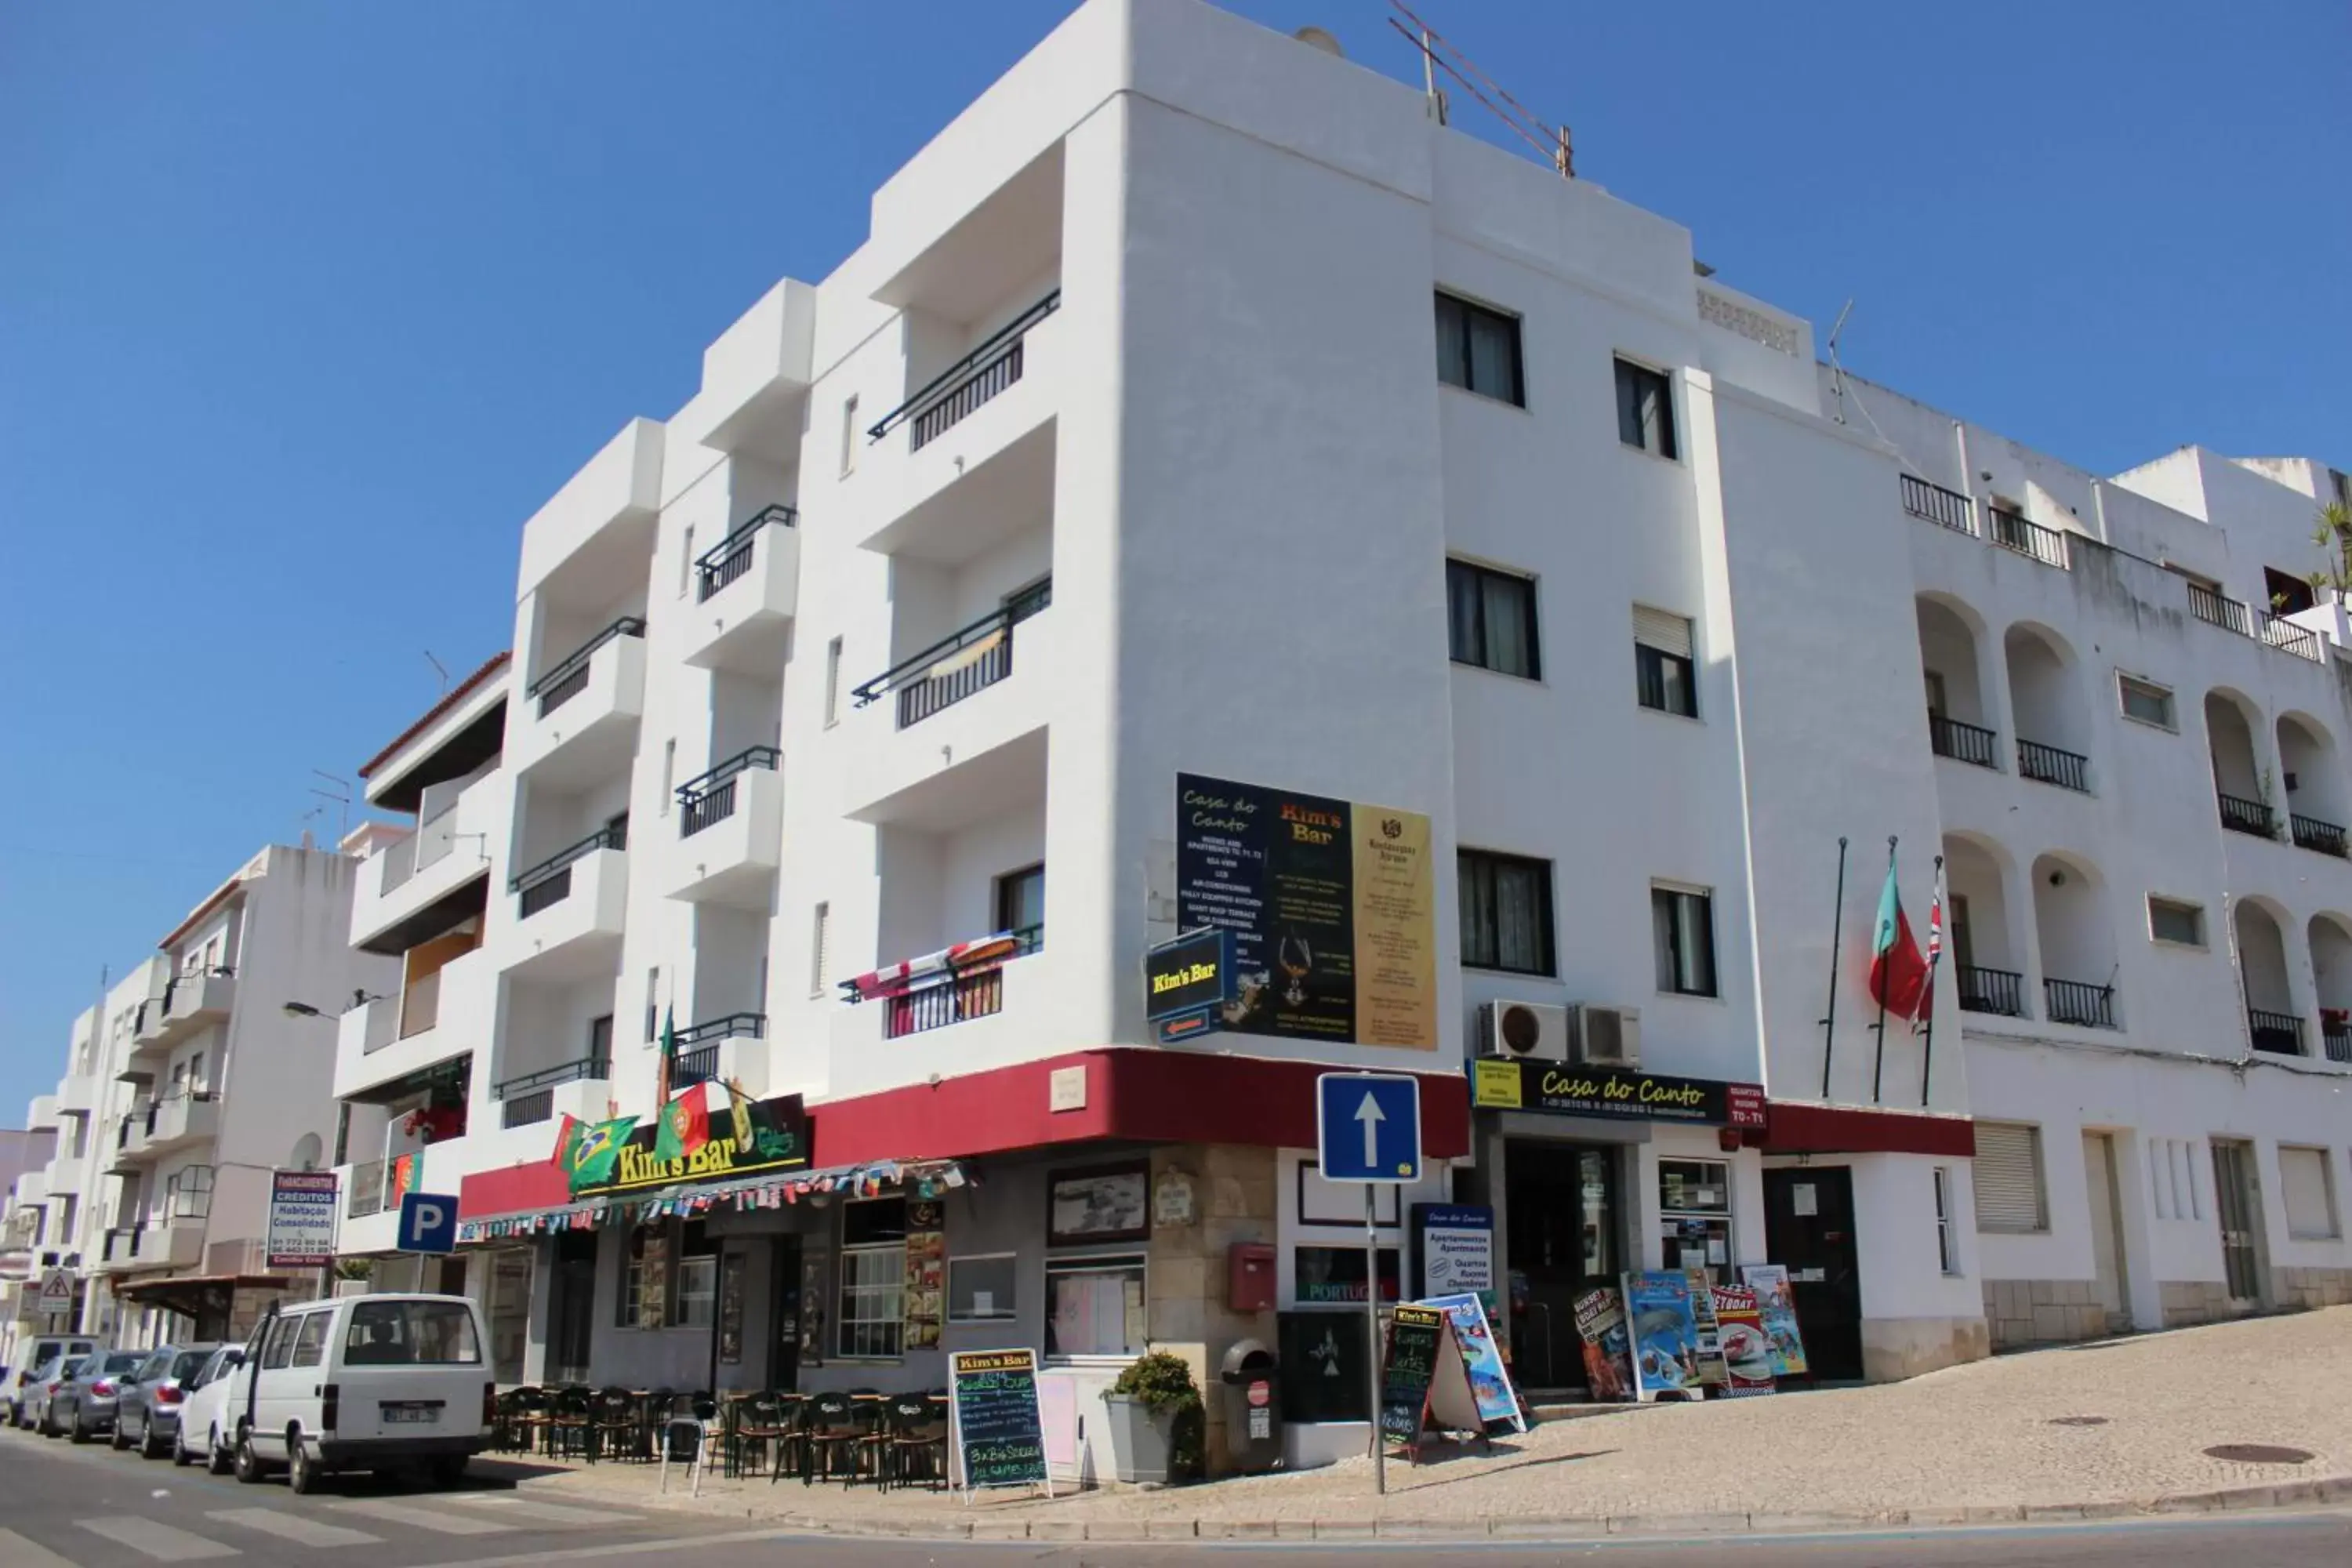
(1601, 1035)
(1523, 1031)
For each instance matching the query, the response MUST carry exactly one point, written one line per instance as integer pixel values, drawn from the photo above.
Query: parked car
(366, 1382)
(147, 1410)
(47, 1378)
(39, 1351)
(84, 1404)
(207, 1426)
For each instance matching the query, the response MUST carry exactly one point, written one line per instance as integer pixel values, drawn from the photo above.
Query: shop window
(873, 1284)
(1094, 1306)
(982, 1288)
(645, 1282)
(697, 1291)
(1694, 1215)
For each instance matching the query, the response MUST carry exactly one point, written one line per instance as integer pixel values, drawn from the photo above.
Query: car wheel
(180, 1458)
(148, 1447)
(216, 1457)
(447, 1472)
(247, 1463)
(75, 1434)
(303, 1472)
(119, 1437)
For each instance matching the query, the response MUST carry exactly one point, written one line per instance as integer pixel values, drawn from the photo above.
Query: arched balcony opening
(2053, 739)
(2271, 1016)
(2331, 971)
(1959, 720)
(2313, 782)
(1988, 958)
(2229, 727)
(2077, 938)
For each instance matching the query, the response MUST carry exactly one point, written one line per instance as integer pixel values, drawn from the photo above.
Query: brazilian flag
(594, 1150)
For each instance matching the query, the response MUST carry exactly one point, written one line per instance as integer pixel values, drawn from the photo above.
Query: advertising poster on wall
(926, 1253)
(1710, 1346)
(1663, 1335)
(1777, 1307)
(1332, 907)
(1601, 1324)
(1455, 1245)
(1739, 1330)
(302, 1227)
(1490, 1379)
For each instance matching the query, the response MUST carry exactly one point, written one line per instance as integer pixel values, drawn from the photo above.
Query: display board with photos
(924, 1301)
(1776, 1309)
(1600, 1325)
(1100, 1203)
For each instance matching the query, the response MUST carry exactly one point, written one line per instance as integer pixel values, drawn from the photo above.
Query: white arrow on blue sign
(1368, 1127)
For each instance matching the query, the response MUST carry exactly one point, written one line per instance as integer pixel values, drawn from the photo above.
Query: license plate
(417, 1412)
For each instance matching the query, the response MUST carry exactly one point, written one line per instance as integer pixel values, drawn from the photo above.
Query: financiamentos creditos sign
(1559, 1090)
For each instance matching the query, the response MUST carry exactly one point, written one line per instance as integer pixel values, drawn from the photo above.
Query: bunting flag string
(920, 1179)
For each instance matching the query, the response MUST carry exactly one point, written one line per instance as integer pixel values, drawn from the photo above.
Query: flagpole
(1879, 1069)
(1837, 938)
(1934, 960)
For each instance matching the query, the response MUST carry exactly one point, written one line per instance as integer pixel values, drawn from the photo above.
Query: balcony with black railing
(530, 1098)
(2311, 833)
(701, 1048)
(2013, 531)
(953, 994)
(568, 677)
(960, 665)
(1933, 503)
(550, 881)
(710, 798)
(2001, 992)
(2079, 1003)
(729, 561)
(2336, 1036)
(1963, 742)
(2279, 1033)
(979, 377)
(2240, 815)
(2234, 615)
(2054, 765)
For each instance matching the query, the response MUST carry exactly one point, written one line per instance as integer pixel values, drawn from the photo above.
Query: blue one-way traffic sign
(1368, 1127)
(428, 1223)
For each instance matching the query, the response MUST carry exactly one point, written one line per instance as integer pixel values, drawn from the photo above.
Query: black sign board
(1194, 972)
(1558, 1088)
(1326, 1364)
(1416, 1334)
(1000, 1437)
(746, 1138)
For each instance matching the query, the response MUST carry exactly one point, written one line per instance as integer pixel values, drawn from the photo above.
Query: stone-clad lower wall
(2311, 1288)
(2044, 1311)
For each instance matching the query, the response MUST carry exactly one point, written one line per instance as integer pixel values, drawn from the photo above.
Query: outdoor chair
(570, 1426)
(760, 1427)
(832, 1435)
(617, 1423)
(916, 1442)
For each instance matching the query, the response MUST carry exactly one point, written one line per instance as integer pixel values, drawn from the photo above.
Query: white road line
(424, 1518)
(295, 1526)
(163, 1543)
(18, 1553)
(552, 1512)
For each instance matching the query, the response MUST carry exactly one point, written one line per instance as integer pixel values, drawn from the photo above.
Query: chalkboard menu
(1416, 1334)
(999, 1439)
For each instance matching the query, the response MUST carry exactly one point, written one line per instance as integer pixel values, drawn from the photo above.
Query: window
(196, 1073)
(2010, 1196)
(873, 1277)
(982, 1288)
(833, 683)
(1664, 673)
(821, 949)
(281, 1346)
(1490, 619)
(849, 435)
(1695, 1213)
(643, 1300)
(1094, 1306)
(1645, 409)
(1478, 351)
(2288, 594)
(2145, 701)
(2309, 1189)
(697, 1291)
(2169, 920)
(412, 1333)
(1505, 912)
(311, 1343)
(1021, 900)
(670, 775)
(1947, 1249)
(685, 560)
(600, 1038)
(188, 1192)
(653, 1003)
(1683, 922)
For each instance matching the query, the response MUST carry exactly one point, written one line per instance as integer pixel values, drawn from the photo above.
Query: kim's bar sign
(1556, 1088)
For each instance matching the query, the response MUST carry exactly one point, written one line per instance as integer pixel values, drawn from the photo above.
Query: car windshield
(117, 1363)
(412, 1333)
(185, 1365)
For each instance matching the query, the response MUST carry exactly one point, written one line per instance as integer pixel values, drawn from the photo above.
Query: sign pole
(1372, 1338)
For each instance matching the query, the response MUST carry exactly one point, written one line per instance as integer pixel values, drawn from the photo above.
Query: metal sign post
(1372, 1337)
(1368, 1129)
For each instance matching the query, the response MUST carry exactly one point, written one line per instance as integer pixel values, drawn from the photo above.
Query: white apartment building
(1194, 395)
(185, 1089)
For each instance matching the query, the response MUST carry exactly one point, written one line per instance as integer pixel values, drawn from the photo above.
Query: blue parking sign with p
(1368, 1127)
(428, 1223)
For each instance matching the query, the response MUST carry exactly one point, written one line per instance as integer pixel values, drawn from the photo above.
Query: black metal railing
(570, 678)
(2280, 1033)
(120, 1244)
(2075, 1001)
(947, 397)
(2242, 816)
(698, 1056)
(2012, 531)
(1935, 504)
(710, 798)
(550, 881)
(2300, 641)
(731, 556)
(2310, 833)
(956, 665)
(2215, 610)
(959, 998)
(527, 1109)
(2049, 764)
(1963, 742)
(2337, 1039)
(194, 981)
(588, 1066)
(1998, 991)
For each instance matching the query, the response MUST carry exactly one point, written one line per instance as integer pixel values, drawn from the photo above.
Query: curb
(2232, 1499)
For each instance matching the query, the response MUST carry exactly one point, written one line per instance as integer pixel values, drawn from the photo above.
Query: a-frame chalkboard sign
(1425, 1381)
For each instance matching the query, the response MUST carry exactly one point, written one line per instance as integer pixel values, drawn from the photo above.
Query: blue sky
(304, 307)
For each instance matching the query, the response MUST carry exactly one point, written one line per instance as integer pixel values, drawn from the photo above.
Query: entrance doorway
(572, 1307)
(784, 1319)
(2107, 1228)
(2240, 1213)
(1808, 1230)
(1559, 1203)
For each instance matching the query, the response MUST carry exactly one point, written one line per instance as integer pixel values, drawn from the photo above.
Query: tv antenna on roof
(1437, 55)
(440, 669)
(1837, 370)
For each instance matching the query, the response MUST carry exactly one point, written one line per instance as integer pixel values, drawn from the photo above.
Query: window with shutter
(1665, 676)
(2009, 1179)
(2309, 1194)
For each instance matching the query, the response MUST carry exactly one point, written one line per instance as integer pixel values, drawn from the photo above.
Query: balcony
(450, 849)
(446, 1014)
(168, 1243)
(2252, 816)
(76, 1091)
(2335, 1034)
(180, 1121)
(961, 1022)
(1962, 742)
(731, 1048)
(756, 377)
(2231, 615)
(2310, 833)
(580, 719)
(945, 988)
(746, 588)
(195, 1000)
(2079, 1003)
(1933, 503)
(569, 909)
(2012, 531)
(117, 1248)
(2050, 765)
(2280, 1034)
(597, 532)
(956, 732)
(729, 832)
(32, 1189)
(147, 1025)
(529, 1099)
(2000, 992)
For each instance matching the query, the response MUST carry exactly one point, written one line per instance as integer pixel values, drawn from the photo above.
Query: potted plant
(1157, 1420)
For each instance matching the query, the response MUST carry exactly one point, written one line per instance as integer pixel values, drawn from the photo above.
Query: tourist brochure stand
(1601, 1324)
(1482, 1361)
(1434, 1378)
(1663, 1335)
(1747, 1351)
(1711, 1373)
(992, 1413)
(1777, 1308)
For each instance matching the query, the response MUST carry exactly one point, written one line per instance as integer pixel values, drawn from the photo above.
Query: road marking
(425, 1518)
(552, 1512)
(295, 1526)
(163, 1543)
(18, 1553)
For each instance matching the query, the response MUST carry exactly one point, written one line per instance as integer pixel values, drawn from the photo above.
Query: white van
(364, 1382)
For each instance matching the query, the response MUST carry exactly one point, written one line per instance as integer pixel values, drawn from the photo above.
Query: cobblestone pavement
(1988, 1440)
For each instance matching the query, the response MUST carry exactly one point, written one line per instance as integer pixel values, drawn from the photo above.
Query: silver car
(84, 1405)
(41, 1389)
(147, 1408)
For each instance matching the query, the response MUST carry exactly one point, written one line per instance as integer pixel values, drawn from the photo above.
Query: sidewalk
(2005, 1439)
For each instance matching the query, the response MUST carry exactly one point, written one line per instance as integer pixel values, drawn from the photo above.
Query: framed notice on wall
(730, 1309)
(1105, 1202)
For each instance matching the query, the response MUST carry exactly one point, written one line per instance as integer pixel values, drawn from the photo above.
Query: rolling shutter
(1658, 630)
(2009, 1178)
(2303, 1177)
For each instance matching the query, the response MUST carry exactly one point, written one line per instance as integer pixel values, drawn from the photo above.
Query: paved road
(88, 1507)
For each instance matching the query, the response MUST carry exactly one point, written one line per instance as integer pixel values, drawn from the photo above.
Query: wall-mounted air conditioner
(1523, 1031)
(1601, 1035)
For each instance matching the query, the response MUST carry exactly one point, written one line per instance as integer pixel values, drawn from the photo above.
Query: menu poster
(994, 1415)
(926, 1282)
(1332, 908)
(730, 1309)
(1739, 1330)
(1776, 1307)
(1663, 1335)
(1482, 1362)
(1710, 1347)
(1601, 1324)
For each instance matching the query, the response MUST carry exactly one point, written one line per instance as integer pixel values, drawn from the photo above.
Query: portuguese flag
(1899, 974)
(685, 1124)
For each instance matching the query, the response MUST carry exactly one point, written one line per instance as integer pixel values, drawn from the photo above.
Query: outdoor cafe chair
(760, 1425)
(916, 1441)
(832, 1435)
(617, 1424)
(570, 1426)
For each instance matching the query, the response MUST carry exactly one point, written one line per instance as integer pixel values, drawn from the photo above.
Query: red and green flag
(1899, 974)
(685, 1124)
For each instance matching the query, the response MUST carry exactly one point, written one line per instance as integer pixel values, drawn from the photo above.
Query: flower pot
(1138, 1439)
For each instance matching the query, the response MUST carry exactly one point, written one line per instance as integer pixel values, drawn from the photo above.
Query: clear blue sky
(304, 307)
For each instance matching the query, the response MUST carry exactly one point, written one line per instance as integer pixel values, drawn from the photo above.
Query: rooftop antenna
(439, 670)
(341, 794)
(1437, 55)
(1837, 370)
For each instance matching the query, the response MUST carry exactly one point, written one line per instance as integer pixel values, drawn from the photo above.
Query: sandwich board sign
(993, 1417)
(1425, 1380)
